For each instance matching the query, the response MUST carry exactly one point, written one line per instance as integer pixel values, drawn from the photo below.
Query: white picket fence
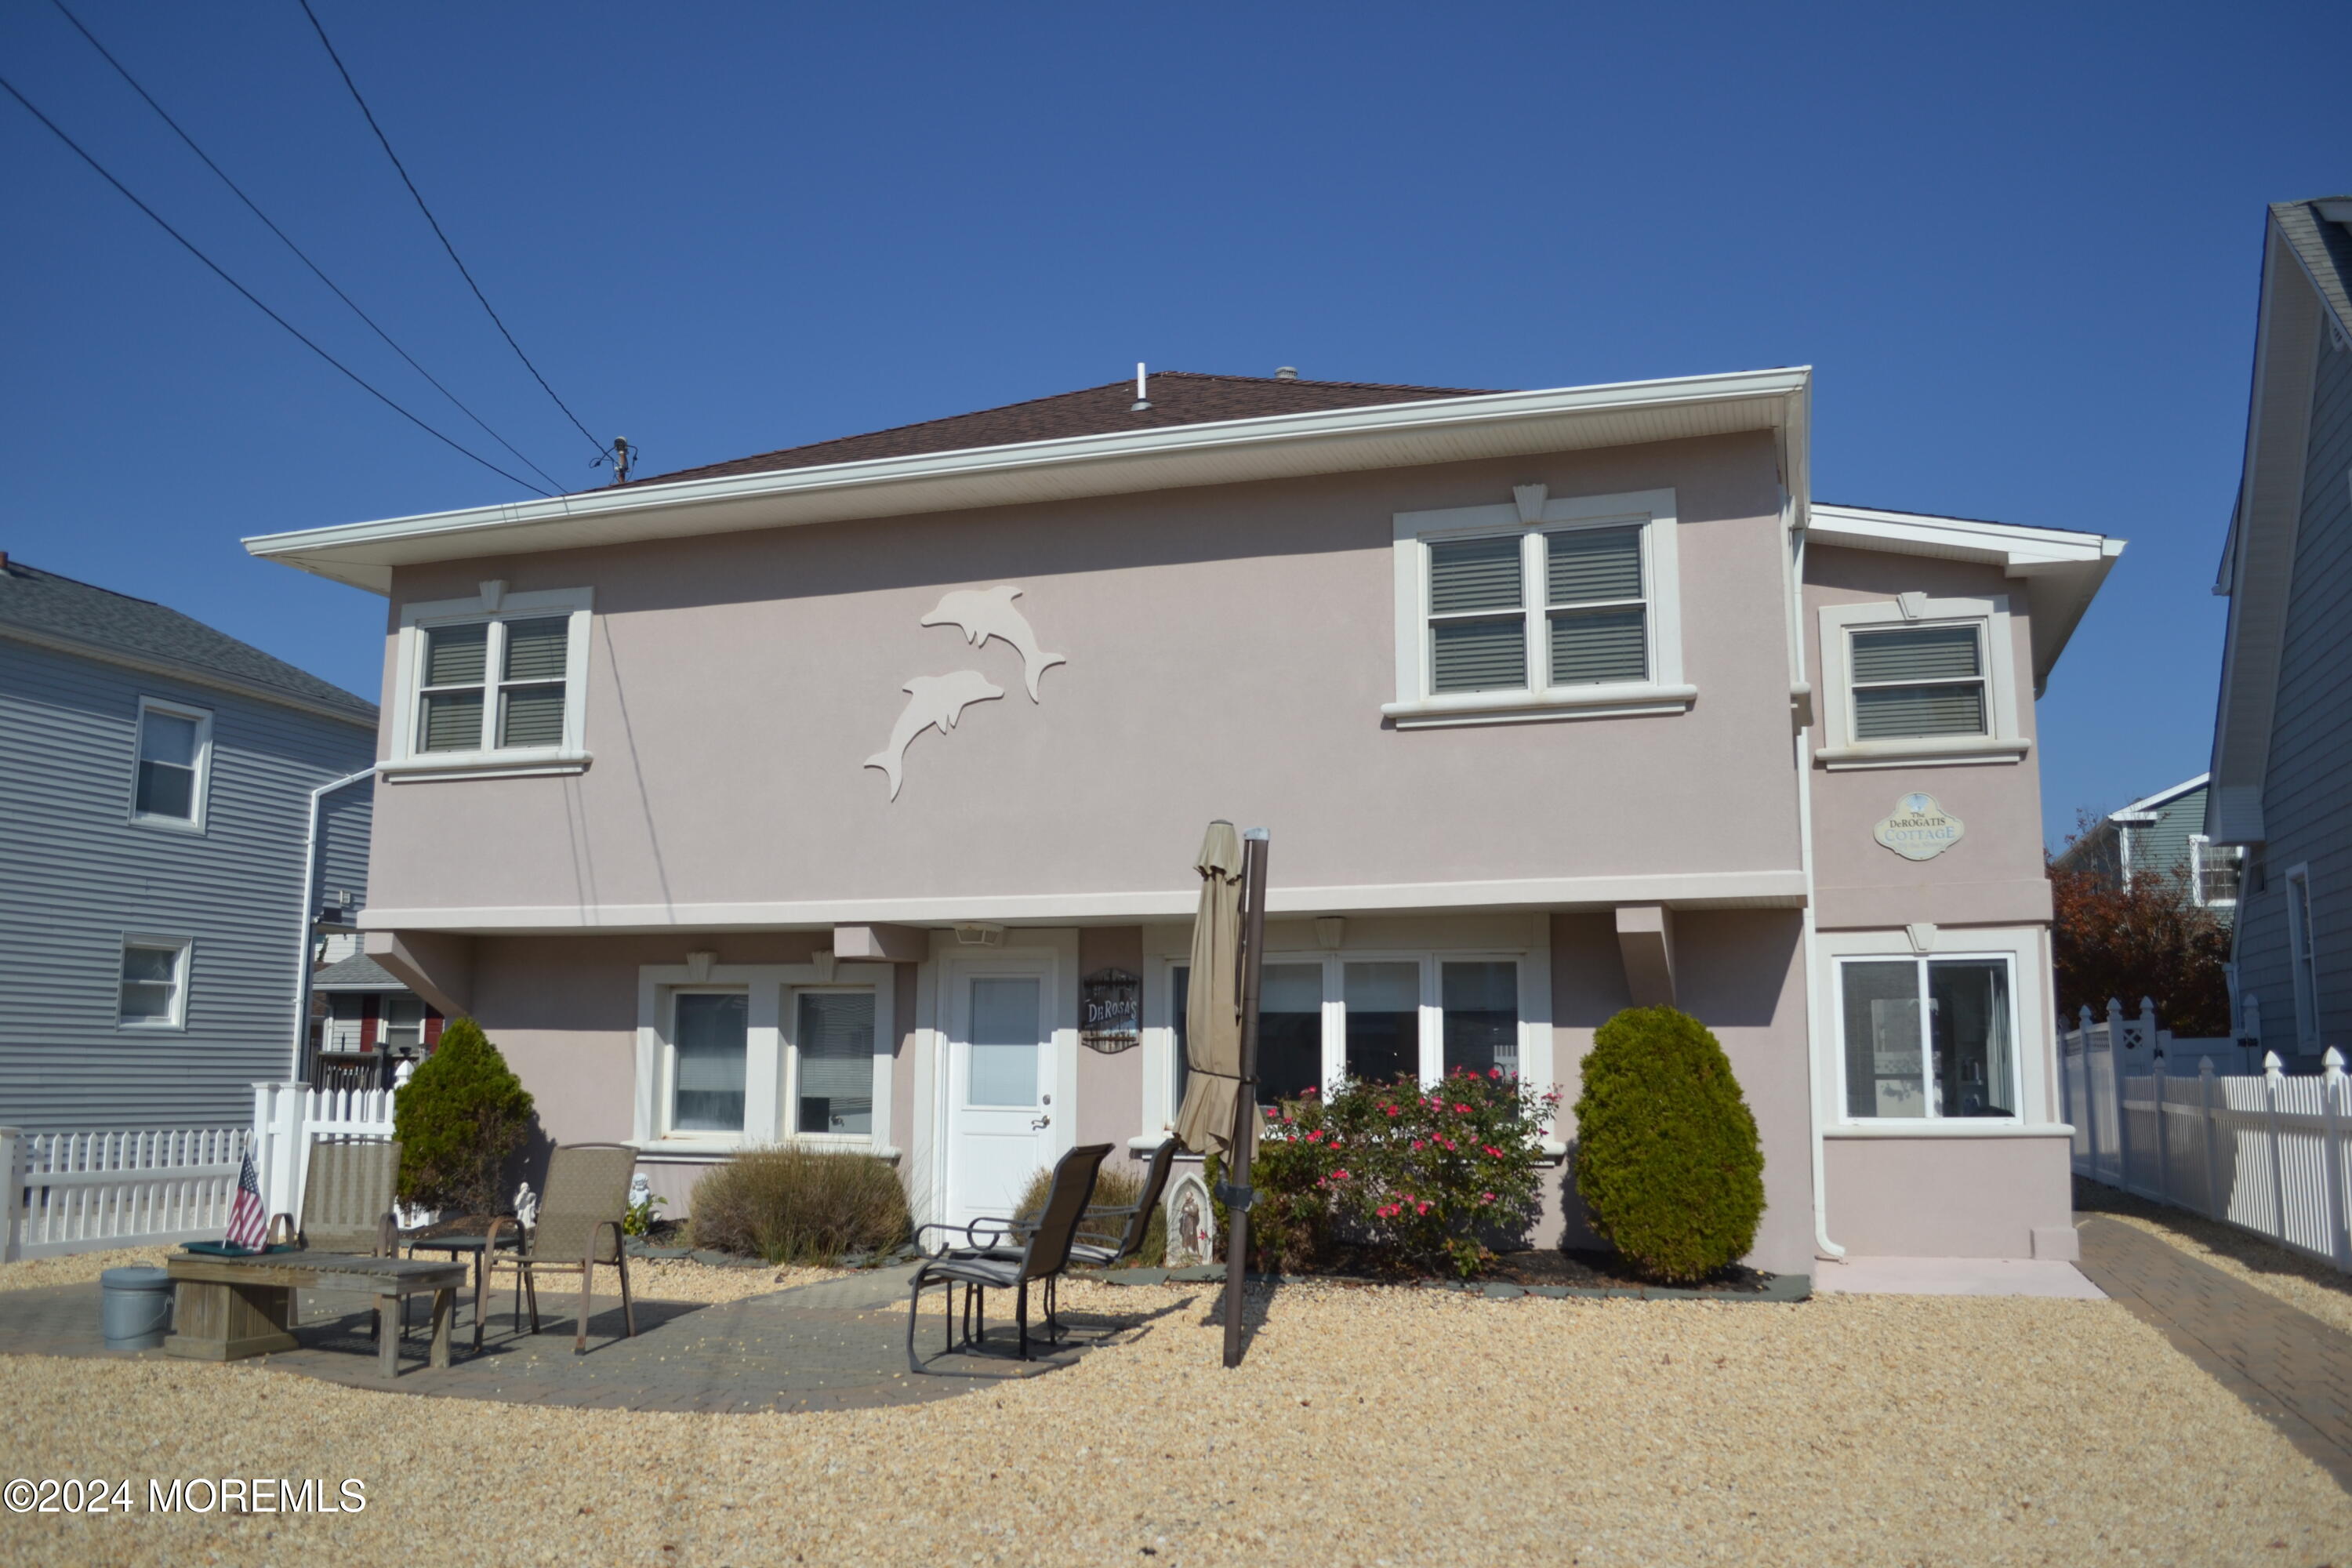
(85, 1192)
(2265, 1152)
(289, 1117)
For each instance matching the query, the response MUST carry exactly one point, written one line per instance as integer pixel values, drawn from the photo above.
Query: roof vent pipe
(1141, 402)
(1285, 372)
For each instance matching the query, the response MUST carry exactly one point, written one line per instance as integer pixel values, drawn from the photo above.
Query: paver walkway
(836, 1344)
(2288, 1366)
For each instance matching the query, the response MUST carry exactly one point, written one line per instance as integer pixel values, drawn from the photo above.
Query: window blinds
(1478, 656)
(1950, 657)
(1588, 565)
(1473, 574)
(835, 1041)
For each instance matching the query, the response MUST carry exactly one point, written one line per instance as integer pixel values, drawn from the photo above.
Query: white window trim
(2029, 1025)
(770, 1069)
(1416, 706)
(493, 604)
(194, 821)
(1537, 1065)
(2006, 743)
(184, 966)
(2305, 975)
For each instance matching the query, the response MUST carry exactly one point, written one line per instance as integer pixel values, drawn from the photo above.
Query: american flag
(245, 1224)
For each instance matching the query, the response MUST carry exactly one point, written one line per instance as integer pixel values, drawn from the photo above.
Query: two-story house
(2163, 835)
(167, 839)
(2282, 728)
(809, 796)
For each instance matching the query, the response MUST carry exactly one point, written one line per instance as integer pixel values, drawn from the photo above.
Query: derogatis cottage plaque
(1919, 829)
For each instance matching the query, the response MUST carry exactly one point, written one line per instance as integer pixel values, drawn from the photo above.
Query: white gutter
(308, 912)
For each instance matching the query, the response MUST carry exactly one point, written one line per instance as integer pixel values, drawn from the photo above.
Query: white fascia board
(2145, 807)
(2061, 568)
(1392, 434)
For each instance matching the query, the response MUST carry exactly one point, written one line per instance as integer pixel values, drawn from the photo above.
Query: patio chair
(1043, 1254)
(346, 1199)
(587, 1193)
(1106, 1234)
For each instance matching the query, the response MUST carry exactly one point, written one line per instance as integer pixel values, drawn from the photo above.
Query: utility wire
(299, 254)
(602, 450)
(360, 381)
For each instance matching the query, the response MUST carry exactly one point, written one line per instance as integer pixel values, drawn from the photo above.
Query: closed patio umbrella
(1213, 1000)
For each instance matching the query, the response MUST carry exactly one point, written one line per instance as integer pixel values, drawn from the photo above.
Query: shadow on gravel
(993, 1356)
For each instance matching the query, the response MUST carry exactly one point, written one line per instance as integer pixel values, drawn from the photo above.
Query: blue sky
(2020, 246)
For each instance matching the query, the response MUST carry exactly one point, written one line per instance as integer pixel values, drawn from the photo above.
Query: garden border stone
(1779, 1290)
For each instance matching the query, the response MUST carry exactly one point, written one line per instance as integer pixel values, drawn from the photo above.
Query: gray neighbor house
(156, 923)
(2282, 774)
(2163, 835)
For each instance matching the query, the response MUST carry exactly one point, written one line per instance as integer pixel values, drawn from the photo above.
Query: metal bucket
(135, 1308)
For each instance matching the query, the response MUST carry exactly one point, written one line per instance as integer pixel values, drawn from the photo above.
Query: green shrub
(459, 1119)
(1667, 1160)
(1116, 1187)
(796, 1204)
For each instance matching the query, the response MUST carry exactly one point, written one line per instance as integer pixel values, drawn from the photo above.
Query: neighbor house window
(175, 748)
(404, 1023)
(1542, 609)
(492, 688)
(1929, 1038)
(833, 1040)
(153, 990)
(708, 1048)
(2214, 870)
(1915, 682)
(2301, 957)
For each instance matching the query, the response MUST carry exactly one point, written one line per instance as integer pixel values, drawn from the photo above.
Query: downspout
(1822, 1245)
(307, 911)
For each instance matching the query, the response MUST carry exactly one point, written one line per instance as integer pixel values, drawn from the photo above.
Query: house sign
(1111, 1011)
(1920, 829)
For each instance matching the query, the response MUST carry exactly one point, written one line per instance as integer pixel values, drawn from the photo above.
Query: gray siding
(2162, 845)
(77, 875)
(2308, 786)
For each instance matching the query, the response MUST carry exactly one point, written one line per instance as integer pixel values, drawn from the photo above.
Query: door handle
(1041, 1122)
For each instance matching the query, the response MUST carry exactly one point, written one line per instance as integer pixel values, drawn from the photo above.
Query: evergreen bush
(1667, 1159)
(459, 1119)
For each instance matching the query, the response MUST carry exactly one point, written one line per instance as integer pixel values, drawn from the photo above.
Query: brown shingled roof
(1178, 397)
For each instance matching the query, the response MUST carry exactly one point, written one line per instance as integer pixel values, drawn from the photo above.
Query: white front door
(1000, 1088)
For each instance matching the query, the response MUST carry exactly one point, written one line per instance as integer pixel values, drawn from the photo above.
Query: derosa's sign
(1111, 1011)
(1920, 829)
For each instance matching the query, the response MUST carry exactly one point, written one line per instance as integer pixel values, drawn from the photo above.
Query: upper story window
(2215, 871)
(1914, 681)
(1540, 609)
(175, 760)
(492, 685)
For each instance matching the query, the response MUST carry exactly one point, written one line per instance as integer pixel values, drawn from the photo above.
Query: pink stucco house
(849, 792)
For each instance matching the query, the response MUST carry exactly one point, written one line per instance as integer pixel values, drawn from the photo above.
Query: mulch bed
(1593, 1270)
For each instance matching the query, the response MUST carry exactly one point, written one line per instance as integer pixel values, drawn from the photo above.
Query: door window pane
(167, 765)
(711, 1038)
(1968, 1014)
(1289, 1031)
(836, 1042)
(1383, 1003)
(1005, 1014)
(1482, 1015)
(1885, 1065)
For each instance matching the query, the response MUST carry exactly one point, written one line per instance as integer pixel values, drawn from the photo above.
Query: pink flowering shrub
(1428, 1175)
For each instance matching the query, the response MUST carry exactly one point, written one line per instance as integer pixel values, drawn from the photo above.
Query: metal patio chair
(1107, 1232)
(579, 1227)
(347, 1192)
(1043, 1254)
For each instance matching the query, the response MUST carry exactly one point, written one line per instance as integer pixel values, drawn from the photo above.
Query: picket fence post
(2216, 1206)
(2163, 1144)
(2090, 1093)
(2273, 1075)
(2331, 1086)
(2115, 1048)
(12, 1201)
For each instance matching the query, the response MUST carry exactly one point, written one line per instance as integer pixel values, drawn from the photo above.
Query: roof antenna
(621, 456)
(1141, 402)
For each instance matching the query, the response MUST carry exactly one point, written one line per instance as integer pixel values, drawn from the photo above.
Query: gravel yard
(1368, 1426)
(652, 1278)
(2303, 1283)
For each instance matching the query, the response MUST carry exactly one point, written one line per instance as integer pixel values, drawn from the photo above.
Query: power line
(190, 247)
(315, 270)
(469, 276)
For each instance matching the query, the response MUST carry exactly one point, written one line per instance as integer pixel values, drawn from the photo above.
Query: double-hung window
(2214, 870)
(493, 689)
(174, 758)
(1542, 609)
(152, 992)
(1914, 681)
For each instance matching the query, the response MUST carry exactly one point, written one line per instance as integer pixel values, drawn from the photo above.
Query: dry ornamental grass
(1366, 1426)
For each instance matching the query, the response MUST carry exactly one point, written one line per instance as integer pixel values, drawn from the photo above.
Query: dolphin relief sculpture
(937, 699)
(985, 612)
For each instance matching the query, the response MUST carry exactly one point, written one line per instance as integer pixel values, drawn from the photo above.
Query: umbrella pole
(1255, 844)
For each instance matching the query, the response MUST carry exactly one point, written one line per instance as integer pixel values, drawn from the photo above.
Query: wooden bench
(226, 1308)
